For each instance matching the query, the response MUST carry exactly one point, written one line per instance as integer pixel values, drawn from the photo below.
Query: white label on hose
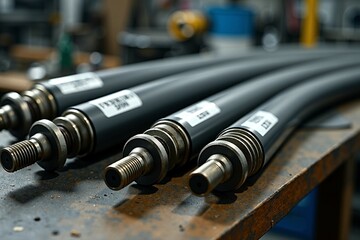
(117, 103)
(199, 112)
(77, 83)
(261, 122)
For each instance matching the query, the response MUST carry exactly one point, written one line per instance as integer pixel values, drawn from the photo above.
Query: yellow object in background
(310, 25)
(183, 25)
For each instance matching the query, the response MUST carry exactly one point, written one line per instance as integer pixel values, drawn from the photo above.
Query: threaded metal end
(19, 155)
(123, 172)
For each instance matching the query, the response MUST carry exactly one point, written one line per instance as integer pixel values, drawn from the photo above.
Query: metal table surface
(75, 203)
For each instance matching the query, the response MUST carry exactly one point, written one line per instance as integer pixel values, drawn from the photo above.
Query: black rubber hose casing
(89, 86)
(112, 80)
(167, 95)
(83, 87)
(235, 102)
(293, 106)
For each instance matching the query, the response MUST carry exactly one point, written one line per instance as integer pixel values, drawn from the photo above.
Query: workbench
(75, 203)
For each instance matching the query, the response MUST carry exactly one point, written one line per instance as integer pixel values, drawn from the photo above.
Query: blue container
(300, 222)
(231, 21)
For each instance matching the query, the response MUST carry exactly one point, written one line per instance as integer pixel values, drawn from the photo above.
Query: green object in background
(65, 54)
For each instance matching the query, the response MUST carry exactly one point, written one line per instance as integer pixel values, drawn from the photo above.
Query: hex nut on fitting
(21, 122)
(46, 146)
(57, 144)
(158, 153)
(145, 162)
(174, 139)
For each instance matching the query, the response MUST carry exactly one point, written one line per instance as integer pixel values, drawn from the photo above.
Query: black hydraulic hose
(177, 138)
(50, 98)
(247, 145)
(108, 121)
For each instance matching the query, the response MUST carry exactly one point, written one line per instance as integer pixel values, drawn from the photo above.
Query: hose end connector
(145, 162)
(166, 145)
(121, 173)
(216, 170)
(19, 155)
(18, 112)
(46, 146)
(225, 163)
(174, 139)
(15, 115)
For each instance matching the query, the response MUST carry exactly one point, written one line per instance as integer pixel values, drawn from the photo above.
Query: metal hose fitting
(8, 117)
(18, 112)
(46, 145)
(226, 162)
(50, 143)
(149, 156)
(126, 170)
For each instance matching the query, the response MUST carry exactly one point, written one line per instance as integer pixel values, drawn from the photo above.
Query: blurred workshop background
(42, 39)
(51, 38)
